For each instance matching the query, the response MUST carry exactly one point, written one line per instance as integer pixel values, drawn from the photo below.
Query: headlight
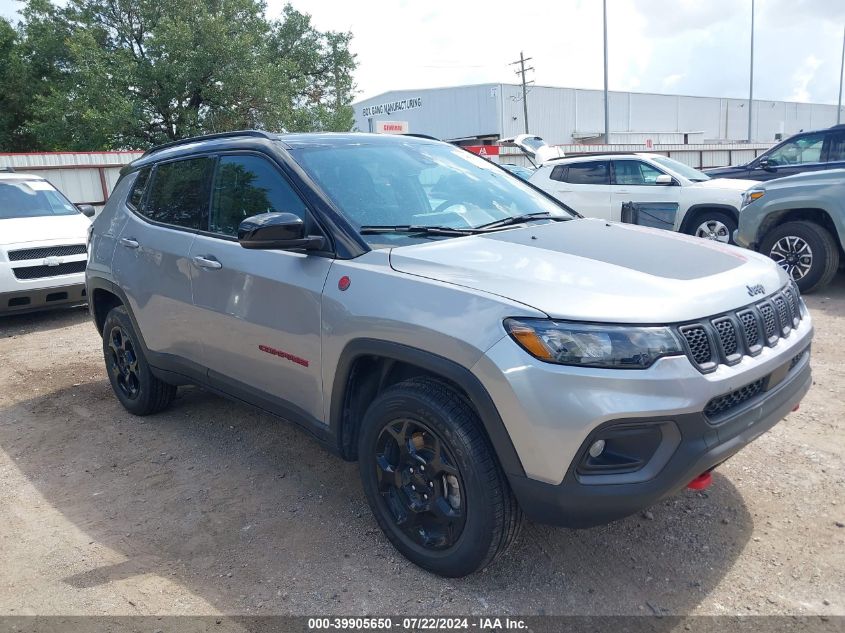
(751, 195)
(588, 345)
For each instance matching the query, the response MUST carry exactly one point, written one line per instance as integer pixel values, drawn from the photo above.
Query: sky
(690, 47)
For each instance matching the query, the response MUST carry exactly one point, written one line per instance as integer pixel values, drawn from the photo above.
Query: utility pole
(751, 76)
(841, 70)
(606, 99)
(522, 70)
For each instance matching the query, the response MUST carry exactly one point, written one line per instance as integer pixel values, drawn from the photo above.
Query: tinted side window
(592, 173)
(179, 193)
(804, 149)
(836, 147)
(246, 186)
(558, 173)
(138, 188)
(634, 172)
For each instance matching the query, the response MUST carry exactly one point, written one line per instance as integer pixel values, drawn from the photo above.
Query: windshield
(31, 199)
(686, 171)
(420, 184)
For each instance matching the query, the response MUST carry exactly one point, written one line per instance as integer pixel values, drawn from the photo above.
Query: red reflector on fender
(701, 482)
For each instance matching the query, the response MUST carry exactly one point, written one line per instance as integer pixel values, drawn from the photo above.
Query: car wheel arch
(366, 366)
(816, 215)
(696, 211)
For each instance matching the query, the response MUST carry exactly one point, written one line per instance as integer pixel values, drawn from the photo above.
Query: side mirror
(664, 179)
(766, 164)
(277, 231)
(87, 210)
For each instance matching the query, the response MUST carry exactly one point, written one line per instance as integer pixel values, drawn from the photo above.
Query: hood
(716, 172)
(592, 270)
(728, 184)
(73, 228)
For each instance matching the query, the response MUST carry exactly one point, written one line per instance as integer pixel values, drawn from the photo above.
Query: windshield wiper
(416, 228)
(519, 219)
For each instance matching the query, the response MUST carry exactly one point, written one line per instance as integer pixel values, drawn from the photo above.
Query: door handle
(129, 242)
(209, 263)
(622, 191)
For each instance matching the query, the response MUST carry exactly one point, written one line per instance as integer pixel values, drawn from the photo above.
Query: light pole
(841, 70)
(751, 76)
(606, 100)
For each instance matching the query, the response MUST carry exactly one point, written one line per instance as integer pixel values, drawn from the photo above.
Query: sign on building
(391, 127)
(390, 107)
(483, 150)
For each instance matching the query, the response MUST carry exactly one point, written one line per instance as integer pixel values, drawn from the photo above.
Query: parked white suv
(43, 248)
(669, 194)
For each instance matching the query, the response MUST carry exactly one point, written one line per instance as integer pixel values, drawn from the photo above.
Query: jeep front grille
(38, 272)
(727, 338)
(720, 405)
(723, 404)
(46, 251)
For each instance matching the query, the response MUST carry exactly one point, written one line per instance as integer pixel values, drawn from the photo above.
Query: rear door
(636, 181)
(584, 186)
(258, 310)
(168, 204)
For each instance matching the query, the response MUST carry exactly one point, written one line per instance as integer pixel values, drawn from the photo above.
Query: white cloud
(803, 77)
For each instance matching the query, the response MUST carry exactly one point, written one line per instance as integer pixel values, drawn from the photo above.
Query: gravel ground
(214, 508)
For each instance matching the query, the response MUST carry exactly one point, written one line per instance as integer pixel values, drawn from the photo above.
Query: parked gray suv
(798, 221)
(481, 350)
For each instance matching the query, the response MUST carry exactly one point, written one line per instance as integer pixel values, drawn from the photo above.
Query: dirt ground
(214, 508)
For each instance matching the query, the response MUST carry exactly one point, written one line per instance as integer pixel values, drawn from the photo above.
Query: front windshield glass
(686, 171)
(31, 199)
(420, 184)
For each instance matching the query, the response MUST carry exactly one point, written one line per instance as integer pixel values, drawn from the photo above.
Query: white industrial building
(484, 113)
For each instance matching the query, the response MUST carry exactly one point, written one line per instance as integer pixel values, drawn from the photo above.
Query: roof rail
(208, 137)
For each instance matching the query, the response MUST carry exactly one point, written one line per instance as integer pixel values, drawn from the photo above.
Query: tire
(714, 225)
(820, 260)
(466, 515)
(138, 390)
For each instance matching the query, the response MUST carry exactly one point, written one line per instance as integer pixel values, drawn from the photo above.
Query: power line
(522, 70)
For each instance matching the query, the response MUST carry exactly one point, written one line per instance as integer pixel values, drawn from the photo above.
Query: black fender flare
(435, 364)
(696, 208)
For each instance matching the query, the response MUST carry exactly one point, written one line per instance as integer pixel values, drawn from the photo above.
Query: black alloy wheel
(124, 362)
(139, 390)
(420, 484)
(432, 478)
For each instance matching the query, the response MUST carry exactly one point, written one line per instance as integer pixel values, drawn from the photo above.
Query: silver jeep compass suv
(482, 351)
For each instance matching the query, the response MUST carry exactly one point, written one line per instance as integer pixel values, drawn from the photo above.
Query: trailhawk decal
(282, 354)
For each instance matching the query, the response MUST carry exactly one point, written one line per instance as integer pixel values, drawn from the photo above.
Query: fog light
(597, 448)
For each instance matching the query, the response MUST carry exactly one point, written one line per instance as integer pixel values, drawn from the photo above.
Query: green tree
(132, 73)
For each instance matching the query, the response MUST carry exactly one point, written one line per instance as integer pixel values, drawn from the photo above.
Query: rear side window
(590, 173)
(179, 193)
(558, 173)
(836, 149)
(248, 185)
(137, 193)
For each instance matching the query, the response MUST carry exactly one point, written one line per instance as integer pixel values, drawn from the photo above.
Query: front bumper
(701, 447)
(34, 299)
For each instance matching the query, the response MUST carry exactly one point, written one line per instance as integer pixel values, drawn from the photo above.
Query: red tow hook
(796, 407)
(701, 482)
